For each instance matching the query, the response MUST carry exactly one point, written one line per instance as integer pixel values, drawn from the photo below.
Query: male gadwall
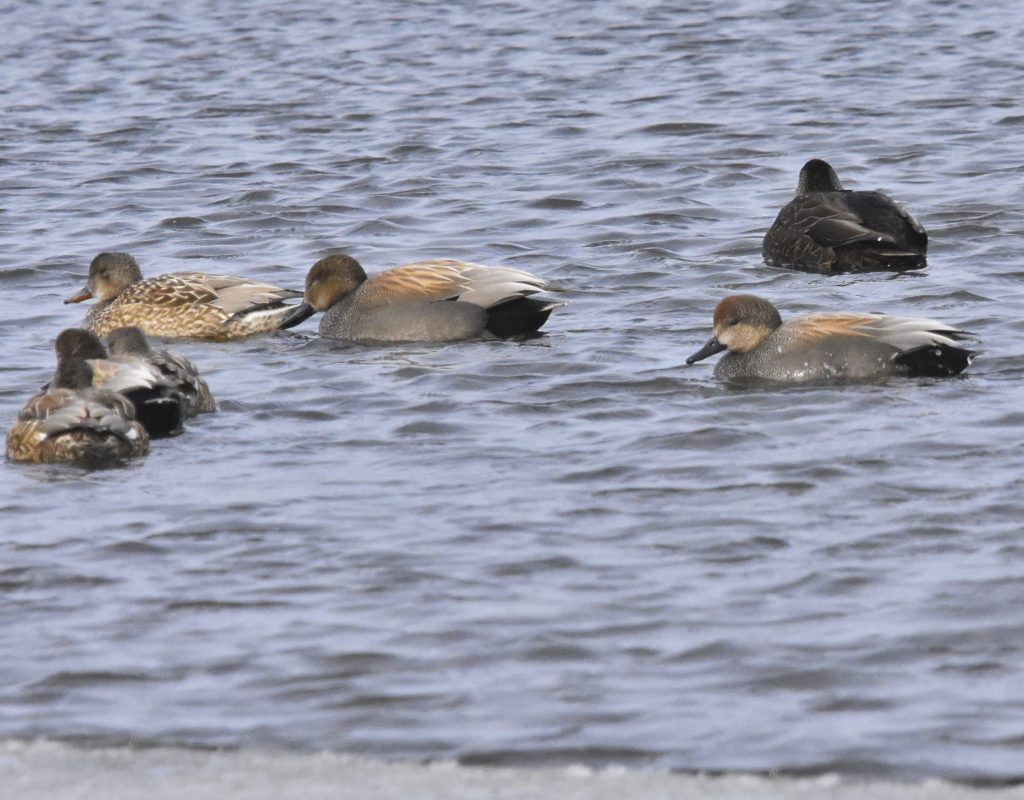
(129, 344)
(827, 228)
(821, 347)
(73, 423)
(429, 301)
(180, 305)
(159, 403)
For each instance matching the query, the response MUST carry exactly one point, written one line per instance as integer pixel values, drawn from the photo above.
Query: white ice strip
(47, 770)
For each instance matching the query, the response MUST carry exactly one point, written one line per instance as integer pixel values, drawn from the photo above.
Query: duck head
(741, 323)
(128, 341)
(109, 275)
(327, 282)
(72, 373)
(818, 176)
(78, 343)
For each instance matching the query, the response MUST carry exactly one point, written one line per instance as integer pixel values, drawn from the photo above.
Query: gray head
(109, 275)
(72, 373)
(128, 341)
(78, 343)
(818, 176)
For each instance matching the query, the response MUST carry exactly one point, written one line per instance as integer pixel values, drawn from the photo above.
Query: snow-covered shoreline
(55, 771)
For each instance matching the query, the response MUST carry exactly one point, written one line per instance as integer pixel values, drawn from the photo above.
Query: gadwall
(130, 344)
(180, 305)
(429, 301)
(821, 347)
(827, 228)
(73, 423)
(159, 404)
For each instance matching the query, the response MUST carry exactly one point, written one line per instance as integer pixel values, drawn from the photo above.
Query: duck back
(845, 231)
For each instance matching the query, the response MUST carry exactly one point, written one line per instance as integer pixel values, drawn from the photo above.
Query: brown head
(109, 275)
(741, 323)
(72, 373)
(330, 279)
(78, 343)
(129, 341)
(818, 176)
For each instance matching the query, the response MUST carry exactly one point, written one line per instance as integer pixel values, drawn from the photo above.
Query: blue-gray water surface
(573, 548)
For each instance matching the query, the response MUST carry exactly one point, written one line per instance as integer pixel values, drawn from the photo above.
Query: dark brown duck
(828, 229)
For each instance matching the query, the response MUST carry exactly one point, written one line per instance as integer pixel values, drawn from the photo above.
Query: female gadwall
(827, 228)
(181, 305)
(429, 301)
(159, 403)
(73, 423)
(129, 345)
(820, 347)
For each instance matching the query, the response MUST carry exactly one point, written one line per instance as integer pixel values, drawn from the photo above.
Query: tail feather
(519, 317)
(161, 414)
(935, 360)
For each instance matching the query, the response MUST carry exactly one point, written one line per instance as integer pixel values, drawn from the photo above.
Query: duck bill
(299, 313)
(85, 294)
(713, 346)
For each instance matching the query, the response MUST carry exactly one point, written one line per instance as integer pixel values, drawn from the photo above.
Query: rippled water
(569, 549)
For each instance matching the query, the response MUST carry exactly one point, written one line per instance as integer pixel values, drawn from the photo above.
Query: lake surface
(573, 549)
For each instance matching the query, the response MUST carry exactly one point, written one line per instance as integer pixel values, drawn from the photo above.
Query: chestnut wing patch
(426, 281)
(822, 326)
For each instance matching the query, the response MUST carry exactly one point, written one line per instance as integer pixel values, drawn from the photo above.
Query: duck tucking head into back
(818, 176)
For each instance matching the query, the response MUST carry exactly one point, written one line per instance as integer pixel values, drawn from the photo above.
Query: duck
(129, 344)
(179, 305)
(73, 423)
(828, 346)
(828, 229)
(160, 405)
(441, 300)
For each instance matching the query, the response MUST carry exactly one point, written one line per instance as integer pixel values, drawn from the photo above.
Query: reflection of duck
(180, 305)
(827, 228)
(818, 347)
(73, 423)
(429, 301)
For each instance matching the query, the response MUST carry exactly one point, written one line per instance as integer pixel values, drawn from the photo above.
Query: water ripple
(569, 549)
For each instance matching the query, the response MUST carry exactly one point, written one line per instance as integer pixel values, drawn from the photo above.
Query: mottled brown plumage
(180, 305)
(828, 229)
(73, 423)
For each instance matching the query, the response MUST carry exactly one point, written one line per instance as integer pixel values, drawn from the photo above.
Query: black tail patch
(518, 317)
(160, 412)
(935, 360)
